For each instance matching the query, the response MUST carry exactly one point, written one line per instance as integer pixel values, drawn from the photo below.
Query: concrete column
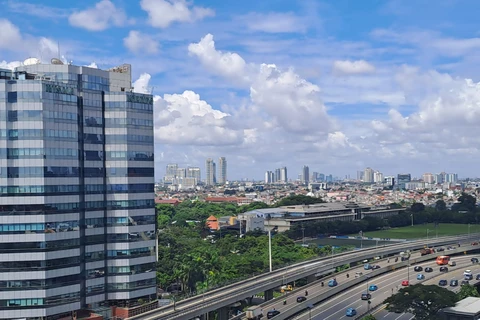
(311, 278)
(268, 294)
(222, 313)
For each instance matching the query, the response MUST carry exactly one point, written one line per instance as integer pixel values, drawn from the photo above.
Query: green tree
(423, 302)
(298, 200)
(417, 207)
(467, 291)
(440, 205)
(369, 317)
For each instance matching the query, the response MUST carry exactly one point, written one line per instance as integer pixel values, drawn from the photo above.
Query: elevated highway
(220, 299)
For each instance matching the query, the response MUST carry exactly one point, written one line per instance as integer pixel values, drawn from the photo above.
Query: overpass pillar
(311, 278)
(268, 294)
(222, 313)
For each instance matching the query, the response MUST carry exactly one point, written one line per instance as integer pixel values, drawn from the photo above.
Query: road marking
(400, 316)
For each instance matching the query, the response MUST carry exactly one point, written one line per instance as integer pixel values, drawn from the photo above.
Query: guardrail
(218, 298)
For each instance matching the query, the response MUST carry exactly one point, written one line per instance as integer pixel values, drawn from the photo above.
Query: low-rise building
(466, 309)
(286, 216)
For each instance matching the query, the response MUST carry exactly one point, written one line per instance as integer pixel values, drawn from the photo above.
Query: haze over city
(337, 85)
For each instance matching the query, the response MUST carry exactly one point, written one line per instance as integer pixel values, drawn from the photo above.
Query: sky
(337, 85)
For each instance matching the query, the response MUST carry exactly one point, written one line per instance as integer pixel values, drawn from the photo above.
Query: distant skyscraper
(277, 175)
(181, 173)
(222, 170)
(314, 176)
(389, 181)
(321, 177)
(368, 175)
(210, 178)
(305, 175)
(194, 172)
(170, 172)
(360, 175)
(402, 179)
(378, 177)
(268, 177)
(283, 174)
(428, 178)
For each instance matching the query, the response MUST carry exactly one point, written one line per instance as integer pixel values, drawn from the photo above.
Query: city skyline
(279, 86)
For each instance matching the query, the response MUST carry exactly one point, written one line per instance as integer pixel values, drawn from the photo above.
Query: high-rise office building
(194, 172)
(402, 179)
(378, 177)
(305, 175)
(77, 218)
(368, 175)
(170, 172)
(283, 174)
(210, 174)
(269, 177)
(277, 175)
(222, 170)
(428, 178)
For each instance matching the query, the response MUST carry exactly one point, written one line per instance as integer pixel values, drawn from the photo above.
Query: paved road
(382, 314)
(316, 288)
(389, 283)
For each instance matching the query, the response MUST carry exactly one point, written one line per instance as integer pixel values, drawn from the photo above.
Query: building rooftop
(467, 306)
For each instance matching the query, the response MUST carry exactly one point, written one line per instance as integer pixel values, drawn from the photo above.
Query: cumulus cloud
(138, 42)
(347, 67)
(162, 13)
(141, 84)
(10, 35)
(226, 64)
(274, 22)
(100, 17)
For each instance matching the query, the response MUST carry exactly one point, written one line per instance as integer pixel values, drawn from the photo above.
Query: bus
(443, 260)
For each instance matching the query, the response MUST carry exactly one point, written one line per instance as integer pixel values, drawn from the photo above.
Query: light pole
(411, 216)
(270, 248)
(428, 230)
(333, 249)
(303, 235)
(361, 239)
(368, 300)
(469, 230)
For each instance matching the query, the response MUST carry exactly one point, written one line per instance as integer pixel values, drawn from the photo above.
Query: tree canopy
(467, 291)
(423, 301)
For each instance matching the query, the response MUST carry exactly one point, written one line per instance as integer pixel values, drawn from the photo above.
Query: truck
(426, 251)
(254, 313)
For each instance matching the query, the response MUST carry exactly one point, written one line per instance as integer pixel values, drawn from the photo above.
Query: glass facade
(76, 191)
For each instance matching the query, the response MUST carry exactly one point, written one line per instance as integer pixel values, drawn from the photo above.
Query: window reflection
(50, 227)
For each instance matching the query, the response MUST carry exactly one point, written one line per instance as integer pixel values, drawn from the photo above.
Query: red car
(405, 283)
(474, 243)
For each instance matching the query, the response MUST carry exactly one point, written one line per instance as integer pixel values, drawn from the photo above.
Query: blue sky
(337, 85)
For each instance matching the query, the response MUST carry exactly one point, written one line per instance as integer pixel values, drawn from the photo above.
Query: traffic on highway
(369, 289)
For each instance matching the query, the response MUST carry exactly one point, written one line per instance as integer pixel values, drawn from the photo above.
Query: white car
(467, 274)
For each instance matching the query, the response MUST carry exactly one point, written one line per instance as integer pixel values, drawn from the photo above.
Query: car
(358, 274)
(452, 263)
(477, 277)
(418, 268)
(301, 299)
(351, 312)
(375, 267)
(475, 243)
(332, 283)
(442, 283)
(405, 283)
(465, 283)
(272, 313)
(467, 274)
(420, 276)
(367, 266)
(428, 269)
(366, 296)
(474, 260)
(372, 287)
(453, 283)
(443, 269)
(440, 249)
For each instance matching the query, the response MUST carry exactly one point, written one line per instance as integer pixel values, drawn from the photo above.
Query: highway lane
(455, 274)
(217, 298)
(389, 283)
(316, 289)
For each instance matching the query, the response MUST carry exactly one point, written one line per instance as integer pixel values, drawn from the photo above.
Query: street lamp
(411, 216)
(428, 230)
(303, 235)
(469, 230)
(270, 248)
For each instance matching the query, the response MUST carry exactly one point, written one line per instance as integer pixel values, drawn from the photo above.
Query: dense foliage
(467, 291)
(423, 301)
(198, 263)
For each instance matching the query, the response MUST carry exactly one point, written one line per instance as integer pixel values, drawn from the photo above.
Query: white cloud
(162, 13)
(100, 17)
(138, 42)
(10, 36)
(227, 64)
(347, 67)
(36, 10)
(10, 65)
(141, 84)
(274, 22)
(92, 65)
